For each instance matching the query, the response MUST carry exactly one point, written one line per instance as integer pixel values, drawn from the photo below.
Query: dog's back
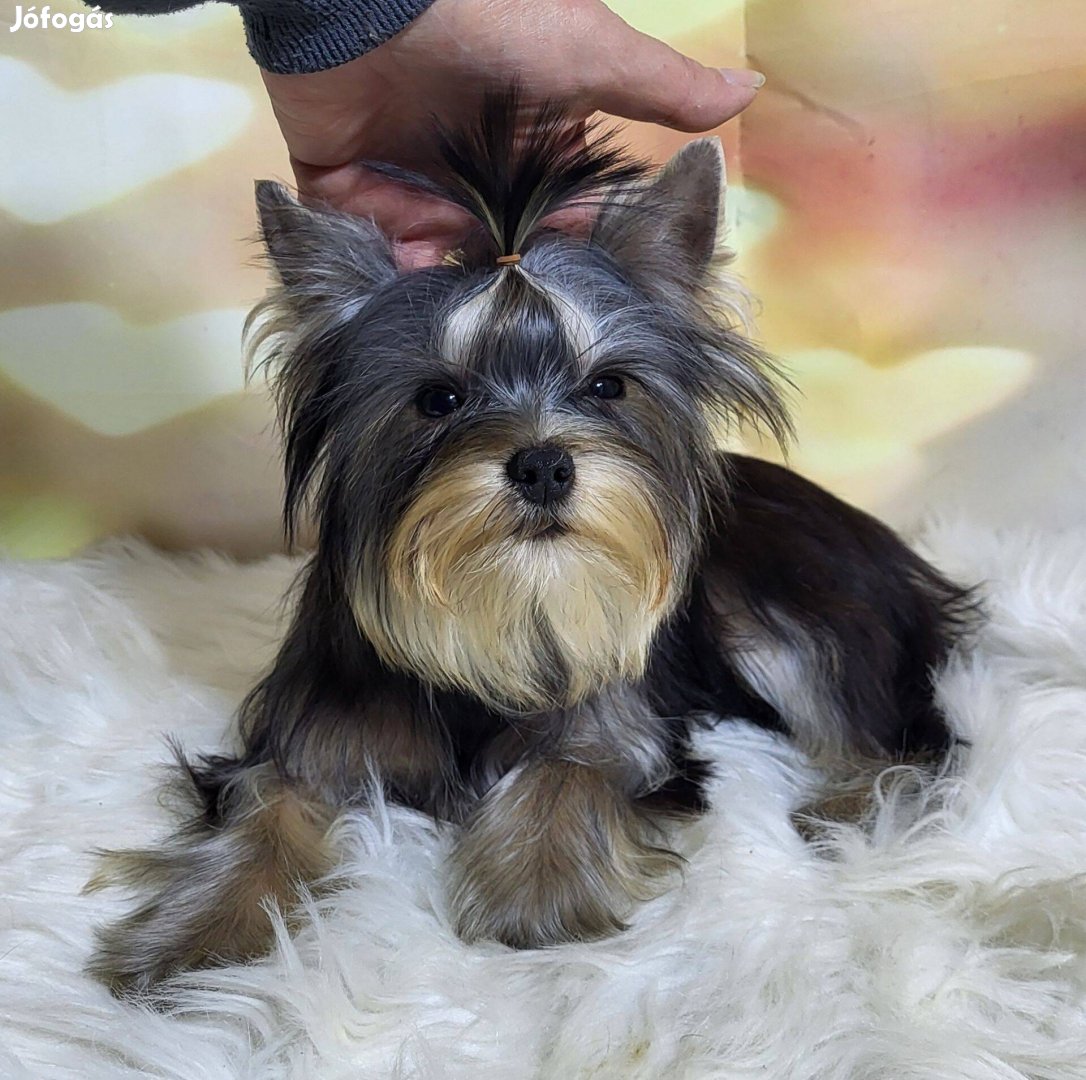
(808, 615)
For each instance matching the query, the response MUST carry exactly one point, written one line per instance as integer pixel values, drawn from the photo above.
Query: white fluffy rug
(947, 946)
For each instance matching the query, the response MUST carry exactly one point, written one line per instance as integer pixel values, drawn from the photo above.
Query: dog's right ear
(329, 264)
(321, 255)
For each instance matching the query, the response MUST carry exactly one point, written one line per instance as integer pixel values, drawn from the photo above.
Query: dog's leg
(562, 845)
(208, 887)
(318, 731)
(554, 852)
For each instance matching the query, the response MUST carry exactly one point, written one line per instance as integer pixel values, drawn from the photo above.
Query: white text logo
(75, 22)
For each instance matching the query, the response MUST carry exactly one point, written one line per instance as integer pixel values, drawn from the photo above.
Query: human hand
(378, 107)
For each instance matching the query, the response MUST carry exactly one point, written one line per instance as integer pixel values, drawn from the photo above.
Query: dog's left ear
(674, 228)
(321, 255)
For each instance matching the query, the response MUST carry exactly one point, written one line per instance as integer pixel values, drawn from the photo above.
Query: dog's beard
(525, 611)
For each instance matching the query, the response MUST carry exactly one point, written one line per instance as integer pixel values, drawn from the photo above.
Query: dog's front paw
(207, 891)
(554, 853)
(196, 914)
(532, 904)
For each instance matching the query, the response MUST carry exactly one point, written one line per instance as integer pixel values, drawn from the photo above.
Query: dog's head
(510, 462)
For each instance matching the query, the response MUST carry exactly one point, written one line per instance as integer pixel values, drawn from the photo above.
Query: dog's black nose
(542, 474)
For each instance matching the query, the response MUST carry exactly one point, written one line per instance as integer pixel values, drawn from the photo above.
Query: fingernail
(752, 80)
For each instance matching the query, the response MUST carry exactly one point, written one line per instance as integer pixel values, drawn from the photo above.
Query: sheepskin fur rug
(947, 941)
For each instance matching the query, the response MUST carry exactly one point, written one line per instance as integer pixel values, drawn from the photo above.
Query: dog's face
(514, 461)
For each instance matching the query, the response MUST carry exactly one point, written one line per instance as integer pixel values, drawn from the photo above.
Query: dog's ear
(328, 265)
(321, 255)
(673, 229)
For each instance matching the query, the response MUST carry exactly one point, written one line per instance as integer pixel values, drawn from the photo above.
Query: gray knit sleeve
(293, 37)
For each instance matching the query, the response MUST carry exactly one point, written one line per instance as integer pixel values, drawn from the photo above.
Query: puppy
(534, 569)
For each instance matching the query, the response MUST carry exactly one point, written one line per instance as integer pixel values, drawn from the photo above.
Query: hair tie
(508, 260)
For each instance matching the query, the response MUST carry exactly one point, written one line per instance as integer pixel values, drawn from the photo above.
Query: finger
(421, 229)
(656, 83)
(574, 220)
(416, 254)
(414, 219)
(404, 215)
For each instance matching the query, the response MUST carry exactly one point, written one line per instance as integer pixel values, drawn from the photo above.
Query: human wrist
(296, 37)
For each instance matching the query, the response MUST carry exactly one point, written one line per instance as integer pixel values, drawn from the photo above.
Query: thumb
(652, 81)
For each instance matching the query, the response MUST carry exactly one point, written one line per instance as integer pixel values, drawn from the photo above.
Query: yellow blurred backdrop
(908, 202)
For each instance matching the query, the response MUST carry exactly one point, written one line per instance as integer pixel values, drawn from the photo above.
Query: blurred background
(908, 201)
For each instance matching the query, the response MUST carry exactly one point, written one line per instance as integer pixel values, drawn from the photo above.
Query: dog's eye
(607, 387)
(437, 401)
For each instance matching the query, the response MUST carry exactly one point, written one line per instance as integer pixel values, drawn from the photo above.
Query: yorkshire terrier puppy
(534, 569)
